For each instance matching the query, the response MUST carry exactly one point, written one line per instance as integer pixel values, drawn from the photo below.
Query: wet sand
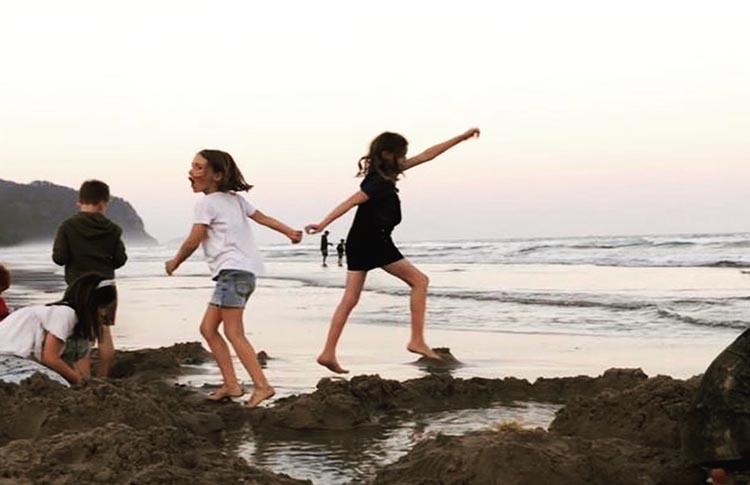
(290, 319)
(140, 427)
(134, 428)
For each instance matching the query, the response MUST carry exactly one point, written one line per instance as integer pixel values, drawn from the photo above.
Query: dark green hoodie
(88, 242)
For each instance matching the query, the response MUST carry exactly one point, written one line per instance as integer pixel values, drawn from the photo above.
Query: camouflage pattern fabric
(716, 432)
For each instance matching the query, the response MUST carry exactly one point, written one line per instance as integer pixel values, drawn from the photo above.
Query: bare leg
(418, 282)
(355, 281)
(235, 332)
(220, 351)
(106, 352)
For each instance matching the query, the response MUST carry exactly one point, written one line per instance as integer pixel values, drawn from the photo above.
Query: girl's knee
(234, 334)
(209, 332)
(349, 302)
(421, 281)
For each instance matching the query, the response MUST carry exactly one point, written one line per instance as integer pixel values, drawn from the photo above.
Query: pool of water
(353, 456)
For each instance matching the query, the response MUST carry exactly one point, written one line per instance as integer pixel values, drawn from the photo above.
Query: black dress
(369, 244)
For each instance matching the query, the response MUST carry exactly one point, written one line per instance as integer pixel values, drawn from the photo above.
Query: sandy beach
(143, 427)
(508, 325)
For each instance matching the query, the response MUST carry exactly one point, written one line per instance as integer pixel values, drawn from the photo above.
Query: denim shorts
(76, 348)
(233, 288)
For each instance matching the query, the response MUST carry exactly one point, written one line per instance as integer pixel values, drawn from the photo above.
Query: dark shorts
(369, 251)
(233, 288)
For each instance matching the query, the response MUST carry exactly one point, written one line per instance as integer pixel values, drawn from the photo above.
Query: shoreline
(169, 432)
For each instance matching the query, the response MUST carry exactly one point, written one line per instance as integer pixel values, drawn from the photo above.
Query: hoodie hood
(92, 225)
(89, 242)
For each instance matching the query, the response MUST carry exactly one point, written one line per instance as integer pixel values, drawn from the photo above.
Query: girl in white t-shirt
(32, 339)
(221, 224)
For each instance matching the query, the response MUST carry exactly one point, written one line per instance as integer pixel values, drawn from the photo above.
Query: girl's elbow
(48, 360)
(265, 220)
(357, 199)
(191, 245)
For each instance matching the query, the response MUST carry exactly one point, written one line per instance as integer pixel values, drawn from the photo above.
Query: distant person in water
(369, 244)
(221, 224)
(340, 251)
(89, 242)
(4, 285)
(324, 247)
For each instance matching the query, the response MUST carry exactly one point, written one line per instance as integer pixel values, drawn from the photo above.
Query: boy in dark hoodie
(89, 242)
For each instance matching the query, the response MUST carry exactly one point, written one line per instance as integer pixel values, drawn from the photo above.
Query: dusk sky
(596, 117)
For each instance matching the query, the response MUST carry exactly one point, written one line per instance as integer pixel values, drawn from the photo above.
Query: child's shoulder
(221, 198)
(91, 223)
(68, 220)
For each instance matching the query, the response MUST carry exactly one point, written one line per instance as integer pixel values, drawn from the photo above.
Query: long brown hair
(85, 296)
(222, 162)
(384, 142)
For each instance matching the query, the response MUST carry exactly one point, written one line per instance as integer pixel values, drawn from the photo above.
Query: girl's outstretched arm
(268, 221)
(341, 209)
(438, 149)
(191, 243)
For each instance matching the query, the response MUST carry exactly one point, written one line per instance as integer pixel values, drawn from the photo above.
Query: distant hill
(32, 213)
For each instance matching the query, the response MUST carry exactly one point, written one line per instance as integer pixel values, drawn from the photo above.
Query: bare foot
(225, 392)
(424, 350)
(332, 365)
(259, 395)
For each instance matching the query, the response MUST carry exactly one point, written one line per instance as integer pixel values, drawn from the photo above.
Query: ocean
(677, 284)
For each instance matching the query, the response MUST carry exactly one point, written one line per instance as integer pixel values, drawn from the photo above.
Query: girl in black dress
(369, 244)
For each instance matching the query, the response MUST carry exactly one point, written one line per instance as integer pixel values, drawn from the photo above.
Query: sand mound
(621, 427)
(606, 433)
(514, 456)
(650, 414)
(136, 428)
(118, 453)
(339, 404)
(148, 364)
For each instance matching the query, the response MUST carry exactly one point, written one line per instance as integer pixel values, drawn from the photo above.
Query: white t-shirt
(229, 242)
(22, 332)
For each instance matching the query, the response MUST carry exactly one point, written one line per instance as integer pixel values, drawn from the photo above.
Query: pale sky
(597, 117)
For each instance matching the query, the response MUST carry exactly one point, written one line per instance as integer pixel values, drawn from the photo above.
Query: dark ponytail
(85, 296)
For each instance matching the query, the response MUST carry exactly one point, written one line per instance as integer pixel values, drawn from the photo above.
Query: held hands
(170, 266)
(471, 133)
(314, 228)
(294, 236)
